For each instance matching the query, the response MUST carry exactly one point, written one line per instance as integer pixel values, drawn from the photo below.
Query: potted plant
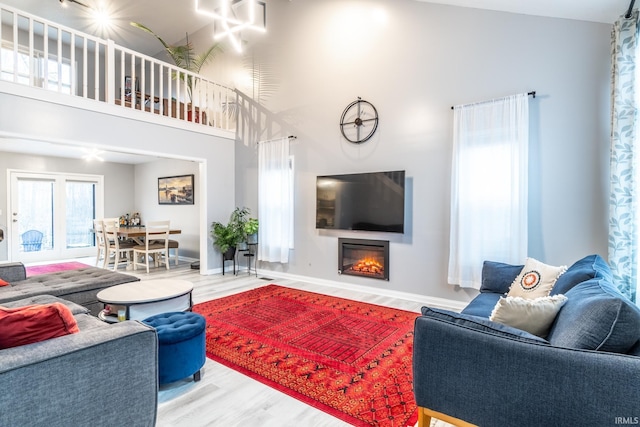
(236, 233)
(225, 238)
(246, 225)
(184, 57)
(251, 230)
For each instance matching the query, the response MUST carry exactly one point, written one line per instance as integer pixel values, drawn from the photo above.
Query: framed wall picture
(128, 85)
(175, 190)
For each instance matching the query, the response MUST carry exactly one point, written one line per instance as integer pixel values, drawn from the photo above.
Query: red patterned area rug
(347, 358)
(52, 268)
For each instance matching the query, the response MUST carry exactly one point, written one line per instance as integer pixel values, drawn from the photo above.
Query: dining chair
(98, 229)
(99, 226)
(114, 246)
(173, 244)
(156, 245)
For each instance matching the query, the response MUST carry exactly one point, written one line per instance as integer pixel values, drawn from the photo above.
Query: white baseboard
(436, 302)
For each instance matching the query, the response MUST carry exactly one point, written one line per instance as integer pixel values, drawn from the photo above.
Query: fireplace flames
(368, 266)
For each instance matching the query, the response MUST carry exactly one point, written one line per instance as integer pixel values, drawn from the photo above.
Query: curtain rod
(630, 10)
(275, 139)
(532, 93)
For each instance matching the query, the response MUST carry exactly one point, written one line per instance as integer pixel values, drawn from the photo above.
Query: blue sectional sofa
(469, 370)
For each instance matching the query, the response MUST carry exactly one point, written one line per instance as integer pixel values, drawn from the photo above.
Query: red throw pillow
(3, 283)
(34, 323)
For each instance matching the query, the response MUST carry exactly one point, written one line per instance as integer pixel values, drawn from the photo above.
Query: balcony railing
(41, 53)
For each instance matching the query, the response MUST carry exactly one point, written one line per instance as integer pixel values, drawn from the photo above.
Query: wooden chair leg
(425, 415)
(424, 420)
(196, 376)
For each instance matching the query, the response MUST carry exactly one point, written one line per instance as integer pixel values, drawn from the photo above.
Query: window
(58, 75)
(275, 200)
(61, 207)
(488, 187)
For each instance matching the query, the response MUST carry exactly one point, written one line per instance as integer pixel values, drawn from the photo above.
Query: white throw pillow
(536, 279)
(532, 315)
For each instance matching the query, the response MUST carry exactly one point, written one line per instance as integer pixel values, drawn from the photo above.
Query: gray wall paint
(61, 123)
(413, 66)
(184, 217)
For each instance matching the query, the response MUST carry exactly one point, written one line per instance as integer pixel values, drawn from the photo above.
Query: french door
(52, 215)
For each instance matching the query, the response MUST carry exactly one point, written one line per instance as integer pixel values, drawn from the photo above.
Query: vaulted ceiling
(174, 18)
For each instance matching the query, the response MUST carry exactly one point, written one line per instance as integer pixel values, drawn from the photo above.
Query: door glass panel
(36, 206)
(80, 211)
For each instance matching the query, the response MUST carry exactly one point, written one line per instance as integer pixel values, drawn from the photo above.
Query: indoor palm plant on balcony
(184, 57)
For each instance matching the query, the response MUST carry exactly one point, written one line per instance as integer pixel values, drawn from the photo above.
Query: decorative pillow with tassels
(535, 280)
(532, 315)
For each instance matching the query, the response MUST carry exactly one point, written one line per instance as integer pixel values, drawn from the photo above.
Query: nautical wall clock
(359, 121)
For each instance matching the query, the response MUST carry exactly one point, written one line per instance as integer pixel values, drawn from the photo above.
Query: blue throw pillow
(497, 277)
(481, 324)
(581, 271)
(596, 317)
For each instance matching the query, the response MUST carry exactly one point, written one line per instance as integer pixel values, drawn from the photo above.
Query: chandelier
(232, 17)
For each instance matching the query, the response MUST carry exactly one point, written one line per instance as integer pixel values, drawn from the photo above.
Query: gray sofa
(104, 375)
(80, 286)
(585, 372)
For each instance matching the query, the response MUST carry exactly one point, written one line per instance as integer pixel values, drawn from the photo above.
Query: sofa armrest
(97, 377)
(493, 380)
(13, 272)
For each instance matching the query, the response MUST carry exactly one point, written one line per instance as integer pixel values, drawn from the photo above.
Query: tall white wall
(413, 61)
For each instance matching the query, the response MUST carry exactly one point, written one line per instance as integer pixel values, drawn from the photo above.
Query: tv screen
(362, 201)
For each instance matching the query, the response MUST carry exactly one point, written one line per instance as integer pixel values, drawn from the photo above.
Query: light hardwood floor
(226, 398)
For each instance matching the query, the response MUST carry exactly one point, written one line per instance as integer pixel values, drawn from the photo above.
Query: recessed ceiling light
(93, 154)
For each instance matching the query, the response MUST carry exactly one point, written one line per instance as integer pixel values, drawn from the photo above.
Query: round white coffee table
(140, 300)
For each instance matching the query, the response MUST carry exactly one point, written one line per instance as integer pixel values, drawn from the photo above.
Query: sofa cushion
(46, 299)
(482, 305)
(481, 324)
(34, 323)
(581, 271)
(497, 277)
(535, 280)
(596, 317)
(531, 315)
(12, 271)
(80, 285)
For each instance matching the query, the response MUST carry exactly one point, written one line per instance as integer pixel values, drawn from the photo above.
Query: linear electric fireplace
(364, 257)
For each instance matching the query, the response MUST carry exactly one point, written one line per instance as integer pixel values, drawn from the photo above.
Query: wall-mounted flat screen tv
(371, 201)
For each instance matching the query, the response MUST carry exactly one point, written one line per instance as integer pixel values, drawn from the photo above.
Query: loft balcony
(48, 61)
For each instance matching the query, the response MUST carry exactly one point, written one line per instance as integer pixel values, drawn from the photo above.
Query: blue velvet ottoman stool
(181, 350)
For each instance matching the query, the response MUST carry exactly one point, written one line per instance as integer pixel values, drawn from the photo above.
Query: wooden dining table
(139, 233)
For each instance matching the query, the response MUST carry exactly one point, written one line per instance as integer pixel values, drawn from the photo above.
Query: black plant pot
(229, 254)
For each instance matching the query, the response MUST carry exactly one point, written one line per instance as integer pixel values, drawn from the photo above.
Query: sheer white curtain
(488, 187)
(274, 201)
